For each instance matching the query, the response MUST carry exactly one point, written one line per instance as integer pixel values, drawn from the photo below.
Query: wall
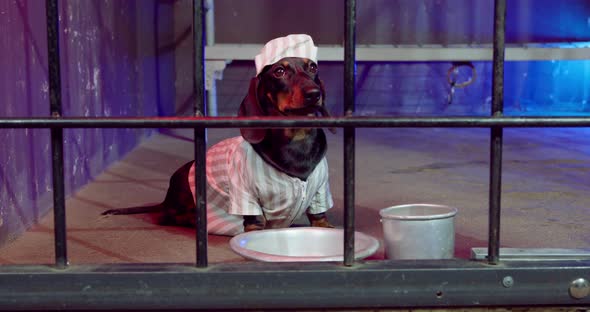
(111, 65)
(421, 89)
(532, 88)
(402, 21)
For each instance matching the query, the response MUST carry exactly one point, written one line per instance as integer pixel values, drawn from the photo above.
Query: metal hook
(453, 83)
(451, 93)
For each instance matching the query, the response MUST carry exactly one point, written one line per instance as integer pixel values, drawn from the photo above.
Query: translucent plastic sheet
(109, 67)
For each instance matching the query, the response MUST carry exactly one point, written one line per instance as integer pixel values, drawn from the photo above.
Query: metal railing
(364, 284)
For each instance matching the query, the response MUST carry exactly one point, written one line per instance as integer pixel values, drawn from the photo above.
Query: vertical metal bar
(210, 39)
(59, 210)
(349, 132)
(496, 132)
(200, 138)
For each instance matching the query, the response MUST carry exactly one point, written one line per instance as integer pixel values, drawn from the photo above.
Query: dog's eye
(279, 72)
(313, 68)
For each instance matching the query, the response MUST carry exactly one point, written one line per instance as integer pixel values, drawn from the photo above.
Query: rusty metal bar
(349, 132)
(200, 143)
(57, 153)
(303, 122)
(496, 133)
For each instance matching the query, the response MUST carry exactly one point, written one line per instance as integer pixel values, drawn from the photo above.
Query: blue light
(555, 88)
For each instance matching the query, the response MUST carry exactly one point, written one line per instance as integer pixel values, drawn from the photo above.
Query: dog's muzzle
(305, 111)
(309, 110)
(311, 101)
(312, 96)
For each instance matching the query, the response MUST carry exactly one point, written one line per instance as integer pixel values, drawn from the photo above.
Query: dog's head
(289, 87)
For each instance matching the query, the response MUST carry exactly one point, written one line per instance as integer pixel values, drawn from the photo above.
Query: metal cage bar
(349, 132)
(200, 143)
(303, 122)
(284, 286)
(496, 133)
(57, 153)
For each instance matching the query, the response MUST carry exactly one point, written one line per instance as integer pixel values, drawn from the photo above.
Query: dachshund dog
(294, 157)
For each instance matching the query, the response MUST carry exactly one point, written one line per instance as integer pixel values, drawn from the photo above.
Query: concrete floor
(544, 201)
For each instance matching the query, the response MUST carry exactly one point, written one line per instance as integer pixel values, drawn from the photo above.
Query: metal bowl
(300, 244)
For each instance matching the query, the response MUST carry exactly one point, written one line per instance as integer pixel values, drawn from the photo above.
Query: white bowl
(300, 244)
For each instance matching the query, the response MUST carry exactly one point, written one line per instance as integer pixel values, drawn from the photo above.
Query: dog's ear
(250, 107)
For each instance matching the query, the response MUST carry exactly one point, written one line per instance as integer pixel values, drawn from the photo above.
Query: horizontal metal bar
(253, 285)
(427, 53)
(303, 122)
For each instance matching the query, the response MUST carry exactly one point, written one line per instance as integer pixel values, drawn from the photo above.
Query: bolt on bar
(200, 144)
(59, 210)
(496, 133)
(349, 132)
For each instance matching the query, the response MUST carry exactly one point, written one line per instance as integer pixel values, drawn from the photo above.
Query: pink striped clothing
(240, 182)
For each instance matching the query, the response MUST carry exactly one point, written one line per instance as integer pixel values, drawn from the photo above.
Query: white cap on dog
(299, 45)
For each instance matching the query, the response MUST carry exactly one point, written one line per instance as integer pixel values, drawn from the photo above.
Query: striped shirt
(240, 182)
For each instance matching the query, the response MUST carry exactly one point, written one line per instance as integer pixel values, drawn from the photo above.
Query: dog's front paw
(319, 220)
(253, 227)
(253, 223)
(322, 223)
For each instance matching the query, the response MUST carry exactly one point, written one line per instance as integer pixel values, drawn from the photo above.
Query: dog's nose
(312, 96)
